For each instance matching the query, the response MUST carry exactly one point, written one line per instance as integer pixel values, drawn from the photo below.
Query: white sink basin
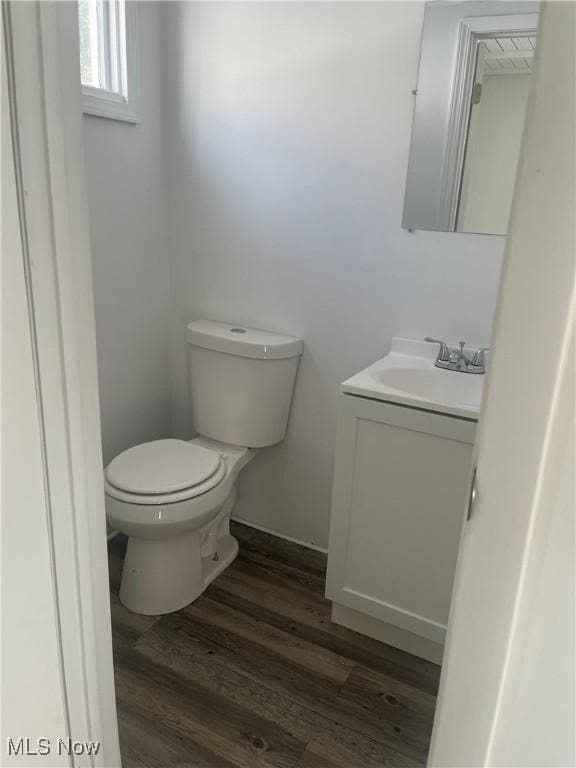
(435, 384)
(407, 375)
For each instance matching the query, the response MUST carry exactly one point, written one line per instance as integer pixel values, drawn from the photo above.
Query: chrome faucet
(452, 359)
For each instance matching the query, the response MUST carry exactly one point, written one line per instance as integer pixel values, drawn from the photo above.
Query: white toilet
(173, 498)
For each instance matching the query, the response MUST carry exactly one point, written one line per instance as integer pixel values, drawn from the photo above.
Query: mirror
(475, 71)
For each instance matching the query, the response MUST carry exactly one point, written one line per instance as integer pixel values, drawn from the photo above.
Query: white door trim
(46, 125)
(496, 618)
(472, 31)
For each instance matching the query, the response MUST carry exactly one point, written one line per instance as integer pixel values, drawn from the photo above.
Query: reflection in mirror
(475, 71)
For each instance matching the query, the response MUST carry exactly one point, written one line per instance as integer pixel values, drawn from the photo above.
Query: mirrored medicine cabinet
(476, 65)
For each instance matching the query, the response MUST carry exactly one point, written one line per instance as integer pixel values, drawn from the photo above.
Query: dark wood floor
(254, 674)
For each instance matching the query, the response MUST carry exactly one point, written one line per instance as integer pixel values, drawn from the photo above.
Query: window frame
(123, 105)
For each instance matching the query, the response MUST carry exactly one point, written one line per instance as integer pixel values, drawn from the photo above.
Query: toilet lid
(161, 467)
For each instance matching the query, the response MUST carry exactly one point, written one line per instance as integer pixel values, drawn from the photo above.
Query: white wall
(126, 171)
(289, 128)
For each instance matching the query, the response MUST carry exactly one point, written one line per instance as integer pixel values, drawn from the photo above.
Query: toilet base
(164, 575)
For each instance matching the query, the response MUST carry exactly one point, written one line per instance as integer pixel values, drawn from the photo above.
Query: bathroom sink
(436, 384)
(407, 375)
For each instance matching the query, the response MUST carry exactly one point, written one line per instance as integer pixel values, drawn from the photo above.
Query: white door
(57, 675)
(507, 689)
(31, 641)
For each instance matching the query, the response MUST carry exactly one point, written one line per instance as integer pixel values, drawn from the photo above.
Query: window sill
(100, 103)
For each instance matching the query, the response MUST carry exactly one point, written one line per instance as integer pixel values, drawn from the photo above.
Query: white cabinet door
(399, 495)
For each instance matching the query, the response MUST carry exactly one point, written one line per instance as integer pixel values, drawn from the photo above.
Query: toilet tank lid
(242, 341)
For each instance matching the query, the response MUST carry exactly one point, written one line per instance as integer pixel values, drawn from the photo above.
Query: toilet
(173, 498)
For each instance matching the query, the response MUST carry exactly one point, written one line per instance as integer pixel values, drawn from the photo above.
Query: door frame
(473, 30)
(41, 48)
(527, 422)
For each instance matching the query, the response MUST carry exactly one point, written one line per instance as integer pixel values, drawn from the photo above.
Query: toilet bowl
(173, 498)
(179, 538)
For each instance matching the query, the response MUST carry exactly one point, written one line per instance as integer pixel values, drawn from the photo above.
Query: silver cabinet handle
(473, 495)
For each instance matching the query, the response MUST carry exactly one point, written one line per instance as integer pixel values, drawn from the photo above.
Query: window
(108, 59)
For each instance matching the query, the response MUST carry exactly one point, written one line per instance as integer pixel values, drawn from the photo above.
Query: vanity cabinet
(401, 478)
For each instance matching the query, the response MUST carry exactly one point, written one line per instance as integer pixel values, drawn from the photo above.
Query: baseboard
(308, 545)
(291, 539)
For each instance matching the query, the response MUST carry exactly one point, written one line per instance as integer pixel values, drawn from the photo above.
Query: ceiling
(509, 55)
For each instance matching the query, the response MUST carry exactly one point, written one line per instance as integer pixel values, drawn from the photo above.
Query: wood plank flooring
(254, 674)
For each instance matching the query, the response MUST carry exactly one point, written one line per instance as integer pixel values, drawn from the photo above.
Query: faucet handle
(479, 357)
(444, 353)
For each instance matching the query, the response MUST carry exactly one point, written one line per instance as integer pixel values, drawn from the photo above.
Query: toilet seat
(163, 472)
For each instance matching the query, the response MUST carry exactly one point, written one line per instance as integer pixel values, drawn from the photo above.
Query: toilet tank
(241, 382)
